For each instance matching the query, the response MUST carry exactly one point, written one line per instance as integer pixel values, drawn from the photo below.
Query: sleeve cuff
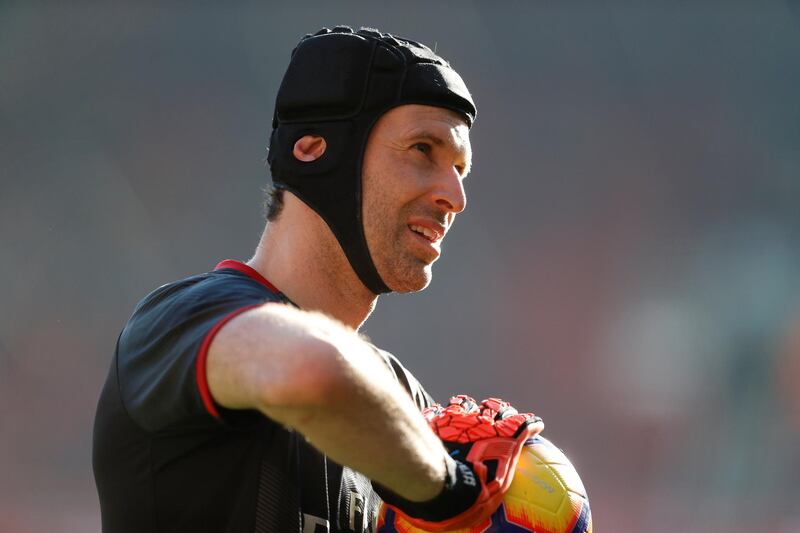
(202, 355)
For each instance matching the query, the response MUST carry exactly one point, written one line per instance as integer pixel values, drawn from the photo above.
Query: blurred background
(628, 265)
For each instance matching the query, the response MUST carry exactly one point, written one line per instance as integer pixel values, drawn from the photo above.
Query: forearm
(378, 432)
(320, 378)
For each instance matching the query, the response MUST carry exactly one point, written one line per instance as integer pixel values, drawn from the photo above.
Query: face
(414, 165)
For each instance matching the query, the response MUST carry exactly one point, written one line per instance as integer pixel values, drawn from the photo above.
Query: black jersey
(167, 458)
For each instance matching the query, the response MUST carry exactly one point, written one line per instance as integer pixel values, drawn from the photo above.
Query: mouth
(429, 235)
(427, 232)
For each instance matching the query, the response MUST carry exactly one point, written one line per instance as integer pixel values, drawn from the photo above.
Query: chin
(411, 281)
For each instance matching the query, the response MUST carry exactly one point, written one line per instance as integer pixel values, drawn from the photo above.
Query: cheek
(376, 209)
(390, 187)
(383, 224)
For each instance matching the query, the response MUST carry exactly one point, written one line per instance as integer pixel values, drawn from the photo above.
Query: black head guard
(339, 82)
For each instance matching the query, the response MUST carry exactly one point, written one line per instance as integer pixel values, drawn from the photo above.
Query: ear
(309, 148)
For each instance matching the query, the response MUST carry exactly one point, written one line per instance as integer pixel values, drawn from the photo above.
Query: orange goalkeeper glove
(484, 441)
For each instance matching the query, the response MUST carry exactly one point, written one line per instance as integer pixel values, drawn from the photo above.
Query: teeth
(430, 234)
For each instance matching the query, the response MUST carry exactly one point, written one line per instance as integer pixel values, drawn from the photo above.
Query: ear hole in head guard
(312, 148)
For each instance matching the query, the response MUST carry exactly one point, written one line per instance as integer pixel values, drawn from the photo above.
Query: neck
(307, 264)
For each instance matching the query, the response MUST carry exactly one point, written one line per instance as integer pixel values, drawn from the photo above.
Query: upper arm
(270, 356)
(290, 364)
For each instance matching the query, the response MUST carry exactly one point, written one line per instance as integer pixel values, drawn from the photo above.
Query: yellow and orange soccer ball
(546, 496)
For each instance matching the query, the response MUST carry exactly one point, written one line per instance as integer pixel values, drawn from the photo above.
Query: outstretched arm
(317, 376)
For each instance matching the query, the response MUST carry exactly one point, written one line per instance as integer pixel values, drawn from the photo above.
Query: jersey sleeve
(160, 358)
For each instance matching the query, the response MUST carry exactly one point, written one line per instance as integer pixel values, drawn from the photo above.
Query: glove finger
(467, 404)
(432, 412)
(497, 408)
(530, 428)
(514, 425)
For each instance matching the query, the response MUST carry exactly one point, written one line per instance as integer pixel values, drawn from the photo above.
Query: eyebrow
(448, 143)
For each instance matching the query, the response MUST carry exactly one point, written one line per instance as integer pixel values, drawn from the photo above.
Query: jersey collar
(249, 271)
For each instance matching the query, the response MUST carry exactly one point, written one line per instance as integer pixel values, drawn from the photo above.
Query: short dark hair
(273, 203)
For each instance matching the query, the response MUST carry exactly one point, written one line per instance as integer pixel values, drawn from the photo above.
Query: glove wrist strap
(460, 491)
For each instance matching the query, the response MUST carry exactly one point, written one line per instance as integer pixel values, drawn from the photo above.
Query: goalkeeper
(243, 399)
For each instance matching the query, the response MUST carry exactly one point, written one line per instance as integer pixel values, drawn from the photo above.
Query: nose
(449, 193)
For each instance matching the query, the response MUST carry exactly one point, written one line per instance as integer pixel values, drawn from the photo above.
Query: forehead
(413, 120)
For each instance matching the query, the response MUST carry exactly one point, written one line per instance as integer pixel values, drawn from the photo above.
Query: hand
(484, 441)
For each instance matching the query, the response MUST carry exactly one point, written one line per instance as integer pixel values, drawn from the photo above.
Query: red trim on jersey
(247, 269)
(202, 354)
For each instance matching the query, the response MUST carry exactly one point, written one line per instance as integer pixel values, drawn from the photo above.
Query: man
(235, 396)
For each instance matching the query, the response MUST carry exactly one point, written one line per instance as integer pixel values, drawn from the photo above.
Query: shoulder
(219, 286)
(161, 348)
(203, 296)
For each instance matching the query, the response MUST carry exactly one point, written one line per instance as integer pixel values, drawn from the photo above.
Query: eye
(425, 148)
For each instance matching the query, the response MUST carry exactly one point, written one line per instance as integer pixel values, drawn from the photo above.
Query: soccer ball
(546, 496)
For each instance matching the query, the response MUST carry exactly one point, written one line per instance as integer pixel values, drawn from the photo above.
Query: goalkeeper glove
(484, 442)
